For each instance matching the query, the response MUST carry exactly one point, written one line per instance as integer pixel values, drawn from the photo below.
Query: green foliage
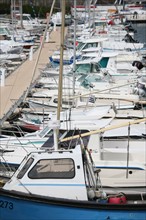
(5, 8)
(38, 11)
(41, 10)
(28, 9)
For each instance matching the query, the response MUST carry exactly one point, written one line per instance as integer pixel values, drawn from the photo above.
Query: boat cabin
(54, 173)
(89, 44)
(27, 21)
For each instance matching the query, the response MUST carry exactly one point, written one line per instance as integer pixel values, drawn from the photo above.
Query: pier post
(2, 76)
(31, 53)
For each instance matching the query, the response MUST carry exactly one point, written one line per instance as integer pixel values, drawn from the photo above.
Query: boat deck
(20, 80)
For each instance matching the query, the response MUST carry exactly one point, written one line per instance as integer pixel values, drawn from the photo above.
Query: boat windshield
(25, 168)
(83, 68)
(89, 45)
(26, 18)
(45, 132)
(4, 31)
(103, 62)
(79, 46)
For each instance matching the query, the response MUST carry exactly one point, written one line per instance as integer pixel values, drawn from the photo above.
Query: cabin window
(89, 45)
(53, 169)
(65, 102)
(25, 168)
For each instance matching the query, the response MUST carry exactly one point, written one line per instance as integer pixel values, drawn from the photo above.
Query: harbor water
(140, 35)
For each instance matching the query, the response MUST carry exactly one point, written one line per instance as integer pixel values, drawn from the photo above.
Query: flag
(92, 99)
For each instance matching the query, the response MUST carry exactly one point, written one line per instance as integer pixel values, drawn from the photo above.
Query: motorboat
(64, 184)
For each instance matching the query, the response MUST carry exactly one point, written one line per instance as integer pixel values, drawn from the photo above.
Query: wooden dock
(20, 80)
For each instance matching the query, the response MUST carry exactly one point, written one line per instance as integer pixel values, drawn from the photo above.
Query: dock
(18, 82)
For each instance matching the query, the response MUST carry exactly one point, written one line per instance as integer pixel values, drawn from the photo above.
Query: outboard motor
(129, 28)
(138, 64)
(129, 39)
(140, 89)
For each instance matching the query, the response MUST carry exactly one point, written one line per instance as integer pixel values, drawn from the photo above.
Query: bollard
(31, 53)
(47, 37)
(54, 24)
(2, 76)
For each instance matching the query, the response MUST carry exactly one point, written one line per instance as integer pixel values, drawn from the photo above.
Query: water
(141, 32)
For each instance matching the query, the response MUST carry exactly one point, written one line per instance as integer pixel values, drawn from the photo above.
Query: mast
(12, 11)
(21, 12)
(94, 5)
(89, 12)
(59, 107)
(15, 5)
(74, 54)
(61, 60)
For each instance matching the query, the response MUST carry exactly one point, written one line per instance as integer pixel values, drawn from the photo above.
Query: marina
(72, 113)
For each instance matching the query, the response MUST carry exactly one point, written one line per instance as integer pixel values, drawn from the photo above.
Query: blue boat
(64, 185)
(56, 60)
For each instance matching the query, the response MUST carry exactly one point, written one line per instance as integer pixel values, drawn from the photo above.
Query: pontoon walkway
(20, 80)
